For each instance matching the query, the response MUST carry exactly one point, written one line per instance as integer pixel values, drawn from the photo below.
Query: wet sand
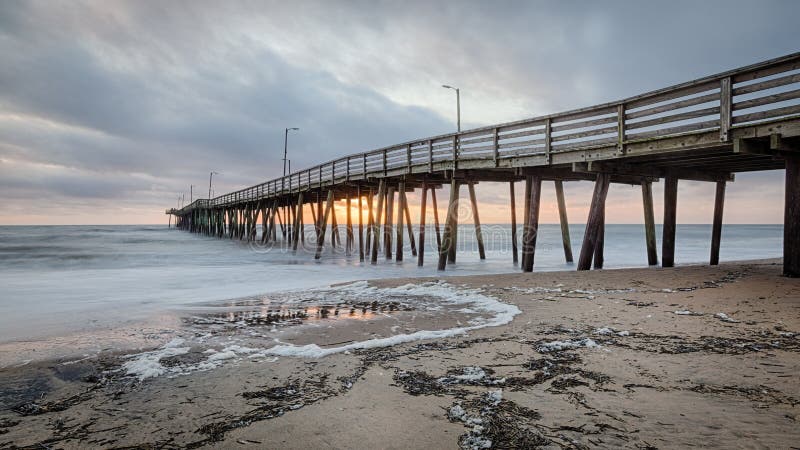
(633, 358)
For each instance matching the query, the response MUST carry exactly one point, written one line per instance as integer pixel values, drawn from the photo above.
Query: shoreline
(618, 357)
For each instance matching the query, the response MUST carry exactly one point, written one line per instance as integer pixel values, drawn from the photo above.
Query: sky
(110, 110)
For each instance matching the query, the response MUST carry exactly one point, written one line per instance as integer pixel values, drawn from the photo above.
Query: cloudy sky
(110, 110)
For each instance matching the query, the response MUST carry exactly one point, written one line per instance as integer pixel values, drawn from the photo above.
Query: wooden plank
(766, 100)
(791, 218)
(726, 109)
(590, 236)
(673, 106)
(562, 216)
(675, 130)
(532, 224)
(769, 84)
(514, 250)
(649, 223)
(583, 134)
(423, 200)
(323, 225)
(716, 228)
(670, 210)
(761, 115)
(476, 219)
(674, 118)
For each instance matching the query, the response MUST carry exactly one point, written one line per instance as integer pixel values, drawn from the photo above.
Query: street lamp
(285, 145)
(210, 176)
(458, 104)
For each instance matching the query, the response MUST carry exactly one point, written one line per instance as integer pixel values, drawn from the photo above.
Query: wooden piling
(298, 222)
(716, 228)
(590, 236)
(421, 252)
(348, 245)
(360, 225)
(370, 222)
(562, 216)
(436, 219)
(649, 223)
(400, 215)
(534, 186)
(448, 239)
(791, 218)
(476, 219)
(388, 223)
(670, 215)
(323, 224)
(376, 224)
(514, 250)
(451, 254)
(411, 241)
(601, 235)
(335, 238)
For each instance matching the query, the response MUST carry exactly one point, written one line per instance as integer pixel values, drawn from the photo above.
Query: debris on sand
(557, 346)
(725, 318)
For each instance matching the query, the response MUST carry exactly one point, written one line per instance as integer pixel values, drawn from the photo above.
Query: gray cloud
(134, 101)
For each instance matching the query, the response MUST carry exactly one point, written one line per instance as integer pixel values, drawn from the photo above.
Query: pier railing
(742, 97)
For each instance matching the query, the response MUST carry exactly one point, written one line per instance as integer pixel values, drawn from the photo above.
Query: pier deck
(743, 120)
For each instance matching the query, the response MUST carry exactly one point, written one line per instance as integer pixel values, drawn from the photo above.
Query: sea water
(57, 280)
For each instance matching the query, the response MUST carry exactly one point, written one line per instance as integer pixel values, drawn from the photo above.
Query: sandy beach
(694, 356)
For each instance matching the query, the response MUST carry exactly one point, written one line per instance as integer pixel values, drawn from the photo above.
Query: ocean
(92, 281)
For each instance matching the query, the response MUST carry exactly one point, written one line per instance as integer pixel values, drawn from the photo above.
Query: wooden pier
(742, 120)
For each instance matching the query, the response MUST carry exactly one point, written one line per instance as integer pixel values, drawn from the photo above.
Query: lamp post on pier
(210, 176)
(458, 105)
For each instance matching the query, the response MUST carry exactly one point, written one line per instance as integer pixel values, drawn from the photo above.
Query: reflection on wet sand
(287, 315)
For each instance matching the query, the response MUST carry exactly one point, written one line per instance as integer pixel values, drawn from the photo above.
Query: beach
(624, 358)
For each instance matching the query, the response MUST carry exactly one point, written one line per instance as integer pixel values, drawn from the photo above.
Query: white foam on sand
(442, 292)
(493, 313)
(147, 365)
(555, 346)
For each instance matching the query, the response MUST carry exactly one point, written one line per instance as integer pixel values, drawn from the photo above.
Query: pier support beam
(349, 227)
(388, 223)
(562, 216)
(411, 240)
(448, 239)
(376, 224)
(791, 218)
(716, 228)
(649, 223)
(423, 200)
(601, 237)
(298, 222)
(370, 223)
(590, 236)
(670, 216)
(533, 186)
(400, 216)
(451, 254)
(514, 250)
(360, 225)
(476, 219)
(436, 218)
(323, 224)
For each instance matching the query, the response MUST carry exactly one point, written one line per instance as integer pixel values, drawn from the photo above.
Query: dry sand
(595, 359)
